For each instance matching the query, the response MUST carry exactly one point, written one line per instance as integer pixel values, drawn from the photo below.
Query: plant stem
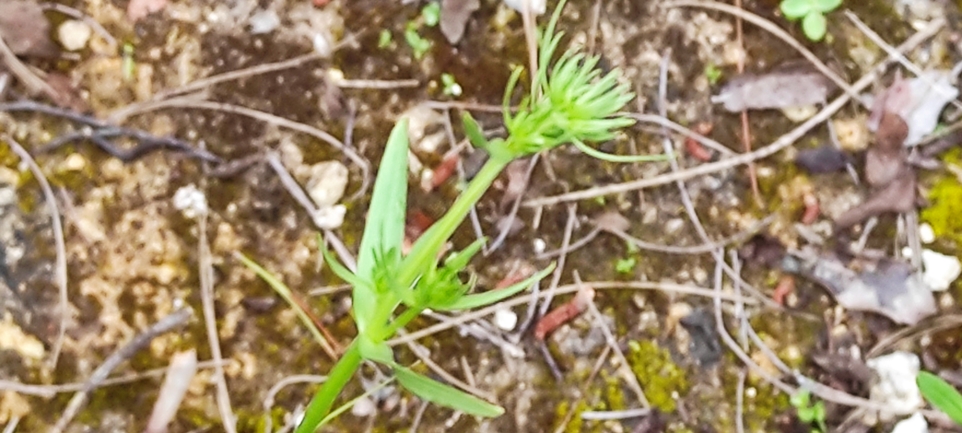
(337, 378)
(426, 248)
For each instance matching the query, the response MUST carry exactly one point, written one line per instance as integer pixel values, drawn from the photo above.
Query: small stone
(264, 21)
(363, 408)
(538, 245)
(74, 162)
(330, 217)
(926, 234)
(939, 270)
(74, 35)
(327, 183)
(191, 201)
(505, 319)
(896, 386)
(913, 424)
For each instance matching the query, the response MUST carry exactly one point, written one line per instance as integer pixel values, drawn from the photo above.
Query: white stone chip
(74, 34)
(913, 424)
(330, 217)
(327, 183)
(939, 270)
(191, 201)
(926, 234)
(896, 386)
(505, 319)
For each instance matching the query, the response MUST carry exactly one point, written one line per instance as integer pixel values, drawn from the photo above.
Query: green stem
(427, 246)
(337, 378)
(406, 317)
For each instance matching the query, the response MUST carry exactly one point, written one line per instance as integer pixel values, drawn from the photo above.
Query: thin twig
(559, 270)
(562, 290)
(272, 393)
(49, 391)
(350, 153)
(122, 354)
(508, 221)
(206, 270)
(29, 79)
(781, 143)
(423, 354)
(375, 84)
(60, 274)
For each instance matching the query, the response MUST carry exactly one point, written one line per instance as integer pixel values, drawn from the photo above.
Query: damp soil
(132, 256)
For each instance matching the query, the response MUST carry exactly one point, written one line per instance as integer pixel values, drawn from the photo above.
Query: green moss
(658, 374)
(942, 214)
(614, 393)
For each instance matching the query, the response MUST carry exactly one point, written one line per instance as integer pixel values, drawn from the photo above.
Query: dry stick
(664, 122)
(12, 425)
(782, 142)
(375, 84)
(34, 83)
(139, 342)
(48, 391)
(851, 91)
(271, 393)
(914, 332)
(206, 271)
(746, 131)
(562, 290)
(271, 119)
(59, 244)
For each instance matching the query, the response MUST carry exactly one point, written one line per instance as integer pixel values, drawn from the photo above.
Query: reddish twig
(565, 312)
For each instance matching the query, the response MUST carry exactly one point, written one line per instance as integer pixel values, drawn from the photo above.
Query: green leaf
(444, 395)
(814, 26)
(942, 395)
(384, 228)
(492, 296)
(339, 269)
(417, 43)
(825, 6)
(795, 9)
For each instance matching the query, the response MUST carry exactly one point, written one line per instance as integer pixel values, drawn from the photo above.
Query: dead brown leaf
(25, 29)
(139, 9)
(454, 17)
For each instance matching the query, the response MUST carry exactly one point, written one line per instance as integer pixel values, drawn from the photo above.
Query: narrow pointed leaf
(492, 296)
(444, 395)
(384, 228)
(343, 272)
(473, 131)
(942, 395)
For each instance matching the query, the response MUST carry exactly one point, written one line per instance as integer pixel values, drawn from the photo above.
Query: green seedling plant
(941, 395)
(812, 13)
(570, 101)
(809, 412)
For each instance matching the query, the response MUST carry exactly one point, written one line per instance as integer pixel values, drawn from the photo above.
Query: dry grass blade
(60, 246)
(206, 271)
(34, 83)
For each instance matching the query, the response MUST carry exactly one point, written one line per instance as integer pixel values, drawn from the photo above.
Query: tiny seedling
(713, 73)
(809, 412)
(570, 101)
(812, 13)
(384, 39)
(941, 395)
(450, 86)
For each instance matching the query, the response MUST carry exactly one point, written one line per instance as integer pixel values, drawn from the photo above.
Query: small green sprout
(713, 73)
(808, 412)
(941, 395)
(812, 13)
(384, 39)
(419, 44)
(626, 265)
(431, 14)
(450, 86)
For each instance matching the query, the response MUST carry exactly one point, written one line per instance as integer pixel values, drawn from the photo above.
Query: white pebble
(330, 217)
(191, 201)
(939, 270)
(264, 21)
(74, 35)
(896, 386)
(538, 245)
(327, 183)
(913, 424)
(926, 234)
(505, 319)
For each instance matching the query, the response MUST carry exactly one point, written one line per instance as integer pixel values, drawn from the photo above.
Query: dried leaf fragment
(25, 29)
(454, 17)
(782, 88)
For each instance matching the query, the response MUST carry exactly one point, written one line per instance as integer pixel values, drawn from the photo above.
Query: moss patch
(659, 375)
